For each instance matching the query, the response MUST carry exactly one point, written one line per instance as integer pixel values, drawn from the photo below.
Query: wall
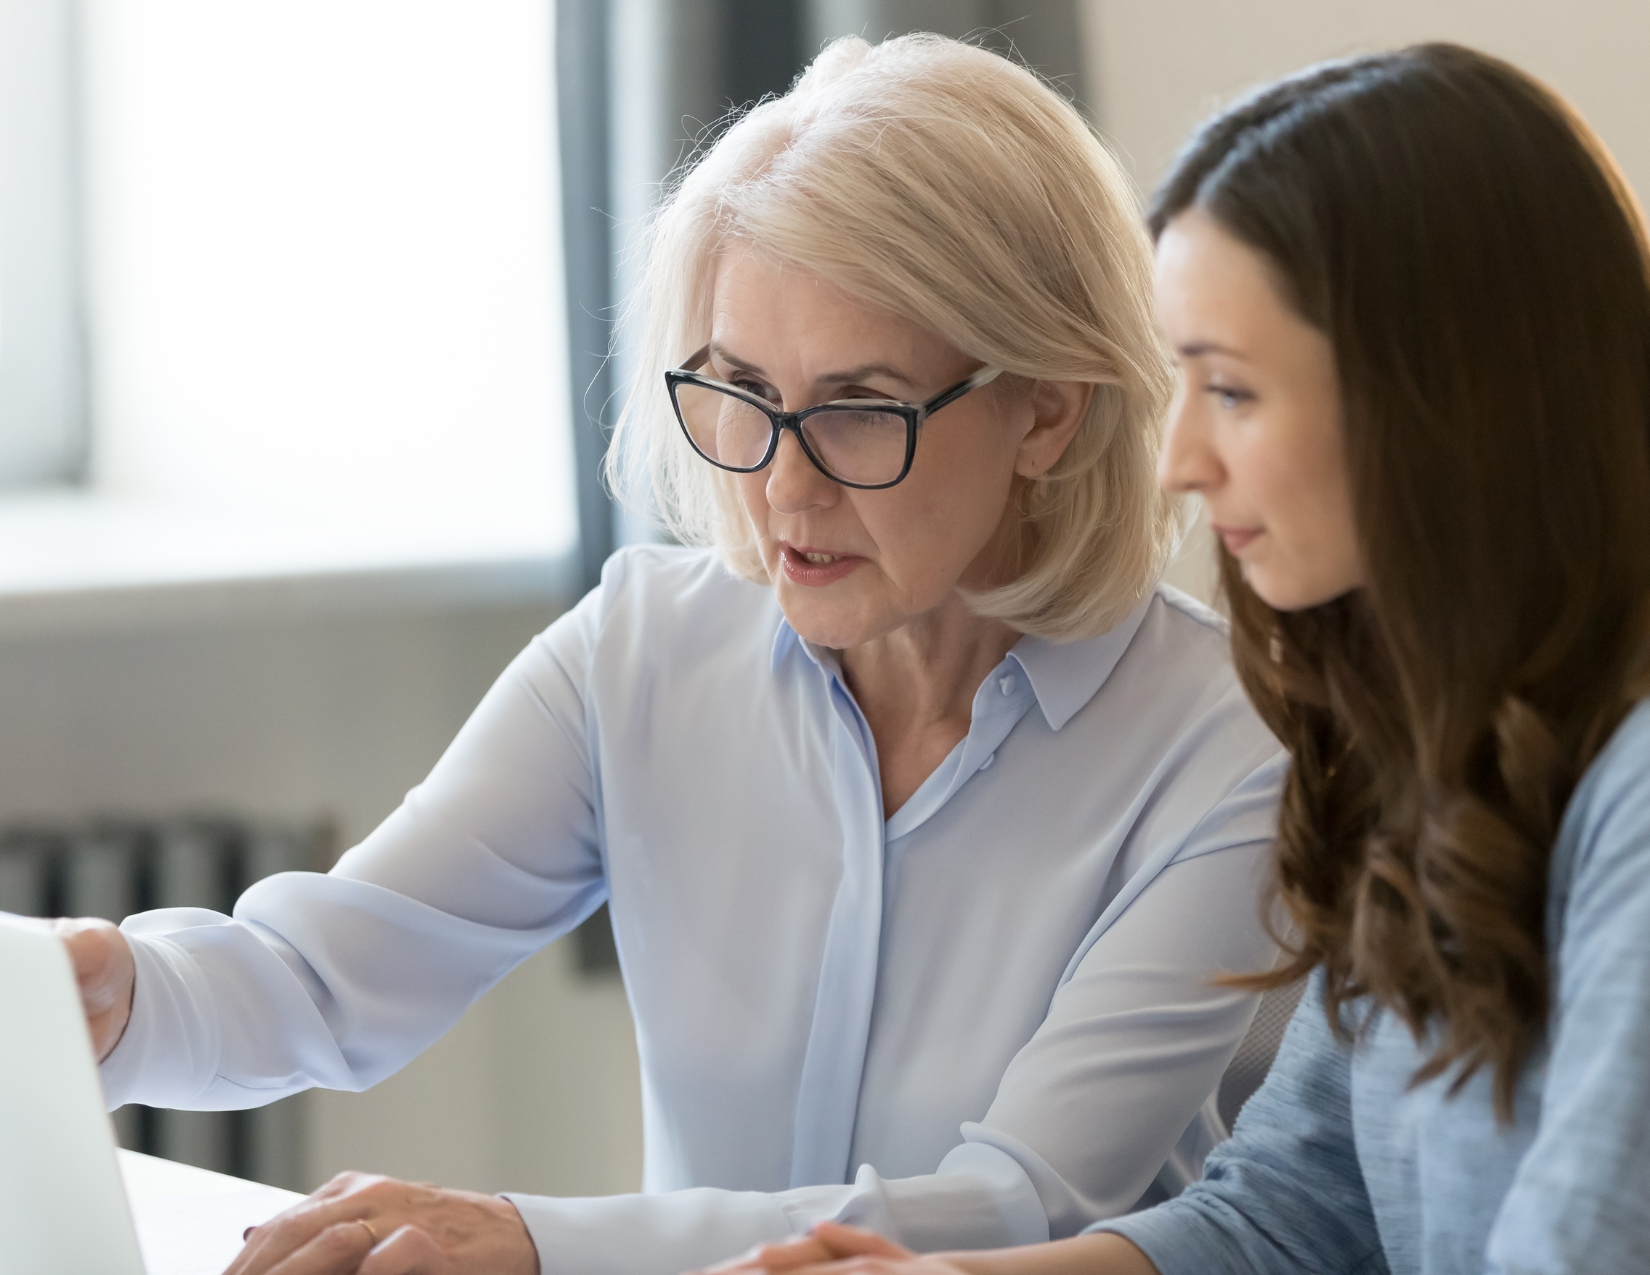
(1042, 33)
(298, 715)
(1160, 66)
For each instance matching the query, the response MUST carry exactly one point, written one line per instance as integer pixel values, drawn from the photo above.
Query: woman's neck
(916, 688)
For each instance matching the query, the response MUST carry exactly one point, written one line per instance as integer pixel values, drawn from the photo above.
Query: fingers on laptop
(409, 1251)
(362, 1224)
(320, 1234)
(335, 1248)
(342, 1249)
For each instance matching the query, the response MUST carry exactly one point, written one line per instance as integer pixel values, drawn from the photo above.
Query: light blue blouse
(984, 1020)
(1338, 1165)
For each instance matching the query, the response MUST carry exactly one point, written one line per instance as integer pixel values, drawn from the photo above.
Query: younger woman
(1411, 298)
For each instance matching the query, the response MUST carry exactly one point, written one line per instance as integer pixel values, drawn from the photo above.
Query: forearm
(1102, 1254)
(1136, 1039)
(662, 1234)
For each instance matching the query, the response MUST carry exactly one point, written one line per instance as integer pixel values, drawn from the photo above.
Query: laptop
(64, 1208)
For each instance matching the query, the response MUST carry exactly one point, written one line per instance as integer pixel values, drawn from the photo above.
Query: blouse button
(1006, 684)
(989, 758)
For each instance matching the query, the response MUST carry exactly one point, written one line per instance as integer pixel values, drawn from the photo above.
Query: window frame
(43, 363)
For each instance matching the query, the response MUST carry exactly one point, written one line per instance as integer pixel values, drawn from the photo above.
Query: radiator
(111, 868)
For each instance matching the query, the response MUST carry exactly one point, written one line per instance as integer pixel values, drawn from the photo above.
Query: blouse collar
(1064, 676)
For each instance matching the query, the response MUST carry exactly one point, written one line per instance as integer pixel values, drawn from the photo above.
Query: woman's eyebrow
(1198, 349)
(864, 371)
(848, 376)
(727, 356)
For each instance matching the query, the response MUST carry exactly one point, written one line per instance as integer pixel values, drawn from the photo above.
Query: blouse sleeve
(1285, 1191)
(340, 979)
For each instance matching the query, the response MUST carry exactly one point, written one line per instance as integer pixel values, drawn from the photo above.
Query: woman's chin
(825, 631)
(833, 622)
(1289, 591)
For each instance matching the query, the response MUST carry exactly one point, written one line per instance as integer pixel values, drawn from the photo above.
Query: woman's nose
(1187, 462)
(794, 482)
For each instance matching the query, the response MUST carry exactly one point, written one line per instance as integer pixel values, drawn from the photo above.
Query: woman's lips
(827, 567)
(1236, 539)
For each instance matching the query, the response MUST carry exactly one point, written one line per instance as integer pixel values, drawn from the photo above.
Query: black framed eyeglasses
(867, 443)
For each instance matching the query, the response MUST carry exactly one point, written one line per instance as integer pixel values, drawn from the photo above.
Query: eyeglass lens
(866, 447)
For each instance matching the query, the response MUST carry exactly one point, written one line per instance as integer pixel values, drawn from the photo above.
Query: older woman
(924, 818)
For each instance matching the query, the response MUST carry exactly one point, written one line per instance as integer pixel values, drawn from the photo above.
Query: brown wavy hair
(1481, 269)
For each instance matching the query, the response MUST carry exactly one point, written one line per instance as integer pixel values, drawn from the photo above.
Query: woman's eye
(1229, 397)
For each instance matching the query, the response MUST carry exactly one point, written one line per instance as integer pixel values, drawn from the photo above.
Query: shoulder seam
(1192, 609)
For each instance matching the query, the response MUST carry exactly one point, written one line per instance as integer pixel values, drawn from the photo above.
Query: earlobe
(1058, 410)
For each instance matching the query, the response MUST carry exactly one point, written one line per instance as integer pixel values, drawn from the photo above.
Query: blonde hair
(955, 189)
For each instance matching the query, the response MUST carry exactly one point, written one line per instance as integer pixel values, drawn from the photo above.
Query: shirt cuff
(648, 1234)
(983, 1195)
(168, 1053)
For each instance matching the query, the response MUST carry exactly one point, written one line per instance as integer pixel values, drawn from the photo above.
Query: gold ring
(363, 1221)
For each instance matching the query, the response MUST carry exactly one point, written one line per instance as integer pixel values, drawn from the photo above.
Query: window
(324, 280)
(42, 368)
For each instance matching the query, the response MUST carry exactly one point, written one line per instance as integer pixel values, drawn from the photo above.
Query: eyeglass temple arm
(984, 376)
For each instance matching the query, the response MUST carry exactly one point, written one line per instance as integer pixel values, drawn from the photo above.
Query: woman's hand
(833, 1249)
(360, 1224)
(831, 1242)
(102, 962)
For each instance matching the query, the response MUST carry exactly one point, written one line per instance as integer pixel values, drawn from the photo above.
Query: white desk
(189, 1221)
